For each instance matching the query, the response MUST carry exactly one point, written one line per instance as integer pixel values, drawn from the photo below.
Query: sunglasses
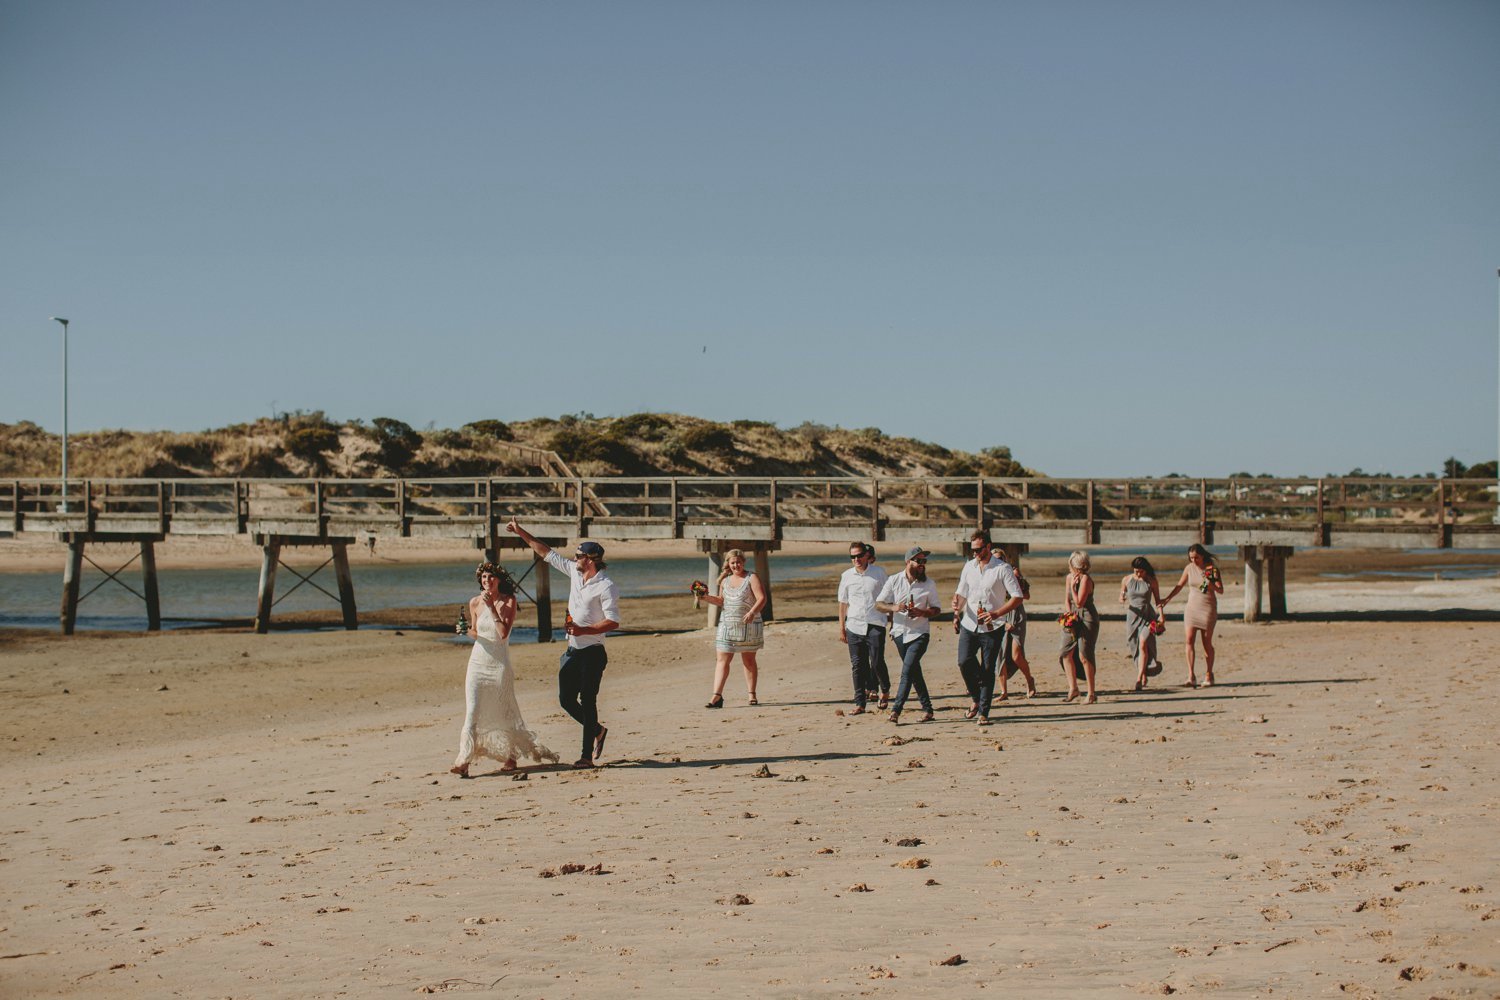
(920, 562)
(982, 548)
(856, 555)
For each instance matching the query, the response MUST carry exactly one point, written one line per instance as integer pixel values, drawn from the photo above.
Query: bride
(493, 726)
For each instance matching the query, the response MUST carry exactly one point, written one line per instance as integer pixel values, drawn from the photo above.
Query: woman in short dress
(1078, 641)
(1141, 595)
(493, 726)
(740, 628)
(1204, 585)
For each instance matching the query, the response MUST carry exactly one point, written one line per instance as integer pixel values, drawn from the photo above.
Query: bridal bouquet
(698, 589)
(1158, 626)
(1068, 620)
(1210, 577)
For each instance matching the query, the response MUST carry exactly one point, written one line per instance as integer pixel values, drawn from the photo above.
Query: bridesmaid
(1201, 577)
(1141, 595)
(1078, 641)
(740, 628)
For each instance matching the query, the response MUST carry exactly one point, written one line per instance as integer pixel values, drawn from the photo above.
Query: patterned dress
(734, 636)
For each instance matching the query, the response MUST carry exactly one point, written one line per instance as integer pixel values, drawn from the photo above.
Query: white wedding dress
(493, 726)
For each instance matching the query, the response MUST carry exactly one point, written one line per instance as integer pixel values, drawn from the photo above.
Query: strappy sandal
(754, 700)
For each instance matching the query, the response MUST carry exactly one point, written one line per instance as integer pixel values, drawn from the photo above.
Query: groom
(593, 610)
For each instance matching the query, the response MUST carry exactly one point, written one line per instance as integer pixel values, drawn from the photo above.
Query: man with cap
(862, 627)
(593, 610)
(912, 601)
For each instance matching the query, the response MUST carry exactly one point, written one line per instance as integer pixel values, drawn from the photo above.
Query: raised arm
(540, 548)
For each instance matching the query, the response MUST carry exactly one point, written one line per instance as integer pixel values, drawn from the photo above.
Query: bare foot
(1208, 681)
(857, 711)
(926, 717)
(1003, 696)
(1091, 700)
(509, 765)
(462, 770)
(1072, 697)
(1030, 691)
(896, 718)
(1192, 681)
(984, 720)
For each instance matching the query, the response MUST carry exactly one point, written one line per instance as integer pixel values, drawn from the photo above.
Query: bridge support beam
(270, 558)
(1268, 563)
(715, 567)
(759, 552)
(543, 598)
(73, 572)
(1251, 556)
(763, 573)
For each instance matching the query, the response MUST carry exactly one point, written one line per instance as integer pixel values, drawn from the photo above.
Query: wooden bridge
(1266, 519)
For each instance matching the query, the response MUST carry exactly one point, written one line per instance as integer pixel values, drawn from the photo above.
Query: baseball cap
(591, 549)
(915, 551)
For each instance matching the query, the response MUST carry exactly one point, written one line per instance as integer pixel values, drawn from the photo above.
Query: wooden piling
(72, 570)
(763, 573)
(715, 567)
(1253, 565)
(543, 598)
(270, 557)
(149, 586)
(346, 585)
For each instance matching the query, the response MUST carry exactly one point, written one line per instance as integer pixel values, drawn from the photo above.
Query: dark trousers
(978, 653)
(912, 648)
(867, 662)
(578, 677)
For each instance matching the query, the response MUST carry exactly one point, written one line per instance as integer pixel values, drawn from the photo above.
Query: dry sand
(224, 814)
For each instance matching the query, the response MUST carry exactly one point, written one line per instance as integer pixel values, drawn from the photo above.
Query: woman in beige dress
(1204, 585)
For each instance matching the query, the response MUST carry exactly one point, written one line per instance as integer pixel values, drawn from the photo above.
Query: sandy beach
(223, 814)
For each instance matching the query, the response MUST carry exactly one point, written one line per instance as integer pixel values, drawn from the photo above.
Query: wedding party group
(989, 618)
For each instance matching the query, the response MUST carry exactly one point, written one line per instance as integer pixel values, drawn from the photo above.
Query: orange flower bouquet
(698, 589)
(1067, 620)
(1210, 577)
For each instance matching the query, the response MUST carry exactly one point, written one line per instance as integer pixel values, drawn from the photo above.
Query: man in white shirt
(912, 601)
(593, 610)
(862, 627)
(987, 592)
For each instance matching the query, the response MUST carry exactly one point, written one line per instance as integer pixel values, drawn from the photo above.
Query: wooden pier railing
(1353, 512)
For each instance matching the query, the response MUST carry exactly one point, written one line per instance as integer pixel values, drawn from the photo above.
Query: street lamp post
(64, 323)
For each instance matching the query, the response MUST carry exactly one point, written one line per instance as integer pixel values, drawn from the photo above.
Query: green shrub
(707, 437)
(640, 427)
(498, 430)
(310, 442)
(398, 442)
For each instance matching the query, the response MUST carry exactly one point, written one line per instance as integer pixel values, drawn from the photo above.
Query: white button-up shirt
(990, 585)
(589, 601)
(859, 591)
(924, 594)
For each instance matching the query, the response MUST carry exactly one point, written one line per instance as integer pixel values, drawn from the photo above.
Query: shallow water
(196, 597)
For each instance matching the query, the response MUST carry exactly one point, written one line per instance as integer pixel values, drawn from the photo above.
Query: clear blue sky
(1122, 238)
